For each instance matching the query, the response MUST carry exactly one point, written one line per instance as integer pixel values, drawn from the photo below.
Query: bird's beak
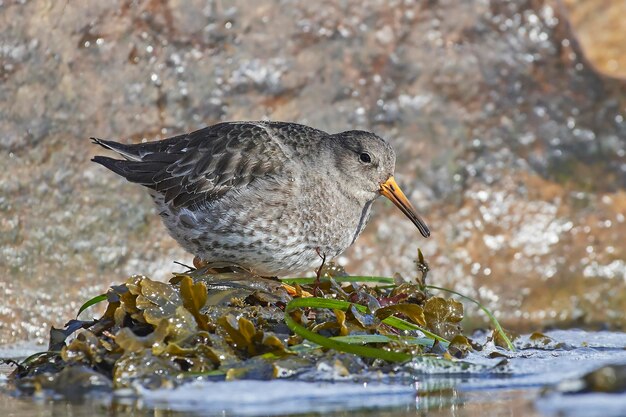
(392, 191)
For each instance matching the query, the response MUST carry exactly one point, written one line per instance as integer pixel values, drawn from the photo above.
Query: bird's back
(204, 165)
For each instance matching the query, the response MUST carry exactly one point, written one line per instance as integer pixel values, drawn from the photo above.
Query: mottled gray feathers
(201, 166)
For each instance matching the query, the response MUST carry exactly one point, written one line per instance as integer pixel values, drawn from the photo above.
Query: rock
(510, 142)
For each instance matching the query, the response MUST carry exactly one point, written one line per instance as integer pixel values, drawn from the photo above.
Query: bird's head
(370, 163)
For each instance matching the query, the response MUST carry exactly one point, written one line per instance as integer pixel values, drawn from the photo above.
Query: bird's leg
(200, 263)
(291, 290)
(318, 273)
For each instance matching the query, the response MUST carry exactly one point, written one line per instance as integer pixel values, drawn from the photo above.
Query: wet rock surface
(599, 27)
(511, 143)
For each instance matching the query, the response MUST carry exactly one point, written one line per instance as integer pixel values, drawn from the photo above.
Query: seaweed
(235, 325)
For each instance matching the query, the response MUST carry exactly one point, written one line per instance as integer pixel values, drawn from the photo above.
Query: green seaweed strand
(333, 343)
(92, 301)
(365, 351)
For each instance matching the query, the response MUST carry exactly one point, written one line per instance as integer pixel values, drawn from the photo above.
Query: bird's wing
(204, 165)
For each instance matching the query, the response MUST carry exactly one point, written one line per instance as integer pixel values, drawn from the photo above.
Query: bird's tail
(130, 152)
(132, 167)
(134, 171)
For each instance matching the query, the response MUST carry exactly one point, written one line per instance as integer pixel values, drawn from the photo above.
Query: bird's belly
(268, 247)
(263, 254)
(288, 241)
(333, 230)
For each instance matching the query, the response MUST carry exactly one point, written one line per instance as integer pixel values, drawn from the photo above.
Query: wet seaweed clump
(224, 326)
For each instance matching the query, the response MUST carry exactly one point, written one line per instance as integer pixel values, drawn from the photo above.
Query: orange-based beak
(392, 191)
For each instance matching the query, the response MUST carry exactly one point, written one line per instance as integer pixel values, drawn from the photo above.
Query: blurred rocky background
(507, 116)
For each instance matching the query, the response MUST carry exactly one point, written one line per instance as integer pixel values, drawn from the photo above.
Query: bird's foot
(291, 290)
(296, 292)
(200, 263)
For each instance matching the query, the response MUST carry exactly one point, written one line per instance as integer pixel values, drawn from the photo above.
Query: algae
(234, 325)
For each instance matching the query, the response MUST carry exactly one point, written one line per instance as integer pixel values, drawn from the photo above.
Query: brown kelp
(233, 325)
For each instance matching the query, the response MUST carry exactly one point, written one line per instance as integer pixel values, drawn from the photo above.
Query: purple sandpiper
(270, 197)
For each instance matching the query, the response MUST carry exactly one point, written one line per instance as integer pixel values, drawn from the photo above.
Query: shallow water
(528, 385)
(509, 142)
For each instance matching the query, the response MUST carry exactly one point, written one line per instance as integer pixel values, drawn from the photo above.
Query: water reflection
(425, 403)
(550, 372)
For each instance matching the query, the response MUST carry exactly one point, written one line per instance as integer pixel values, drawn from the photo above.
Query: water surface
(528, 384)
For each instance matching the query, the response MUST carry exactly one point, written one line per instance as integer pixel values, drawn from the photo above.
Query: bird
(269, 197)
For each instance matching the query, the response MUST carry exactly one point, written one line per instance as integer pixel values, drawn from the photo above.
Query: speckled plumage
(266, 196)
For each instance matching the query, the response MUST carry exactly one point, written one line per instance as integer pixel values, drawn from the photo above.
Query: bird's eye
(365, 158)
